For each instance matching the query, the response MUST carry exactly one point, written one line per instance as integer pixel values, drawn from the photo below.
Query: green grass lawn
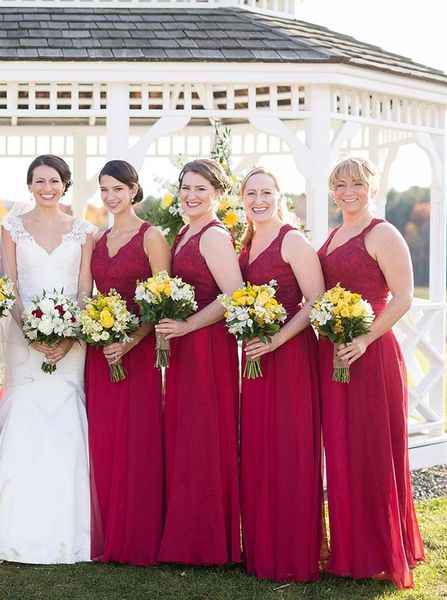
(113, 582)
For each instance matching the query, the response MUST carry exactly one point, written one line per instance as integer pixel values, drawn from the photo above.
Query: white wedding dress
(44, 472)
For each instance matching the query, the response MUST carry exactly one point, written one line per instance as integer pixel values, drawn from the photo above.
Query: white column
(318, 140)
(83, 189)
(436, 148)
(117, 121)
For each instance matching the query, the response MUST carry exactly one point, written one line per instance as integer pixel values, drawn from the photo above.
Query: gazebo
(116, 78)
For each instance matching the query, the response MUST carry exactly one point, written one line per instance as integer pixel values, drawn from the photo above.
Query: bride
(44, 479)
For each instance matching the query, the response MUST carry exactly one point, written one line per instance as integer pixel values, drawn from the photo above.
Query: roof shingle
(186, 34)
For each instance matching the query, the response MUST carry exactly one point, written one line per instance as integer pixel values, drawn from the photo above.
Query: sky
(415, 30)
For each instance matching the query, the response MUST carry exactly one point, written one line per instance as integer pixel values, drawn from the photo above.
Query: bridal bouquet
(51, 318)
(341, 315)
(7, 297)
(160, 297)
(106, 320)
(251, 312)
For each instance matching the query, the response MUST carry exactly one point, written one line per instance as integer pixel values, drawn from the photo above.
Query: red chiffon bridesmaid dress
(202, 523)
(125, 427)
(281, 489)
(373, 527)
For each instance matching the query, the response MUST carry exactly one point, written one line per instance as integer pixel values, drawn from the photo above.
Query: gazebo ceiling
(186, 34)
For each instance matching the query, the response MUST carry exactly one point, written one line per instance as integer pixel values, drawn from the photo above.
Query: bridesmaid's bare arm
(157, 250)
(85, 281)
(386, 245)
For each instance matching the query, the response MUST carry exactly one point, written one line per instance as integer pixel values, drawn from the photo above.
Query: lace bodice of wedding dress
(38, 269)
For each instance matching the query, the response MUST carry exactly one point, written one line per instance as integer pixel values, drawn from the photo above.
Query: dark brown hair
(211, 170)
(124, 172)
(56, 163)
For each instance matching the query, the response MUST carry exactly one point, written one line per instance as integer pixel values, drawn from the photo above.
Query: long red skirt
(281, 486)
(126, 454)
(373, 527)
(202, 525)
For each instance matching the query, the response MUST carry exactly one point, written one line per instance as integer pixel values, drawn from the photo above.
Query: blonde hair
(282, 209)
(355, 168)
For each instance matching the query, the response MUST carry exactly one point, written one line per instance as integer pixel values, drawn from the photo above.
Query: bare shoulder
(153, 234)
(215, 235)
(295, 242)
(385, 233)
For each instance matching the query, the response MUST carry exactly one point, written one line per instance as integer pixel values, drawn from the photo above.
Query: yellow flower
(263, 298)
(223, 205)
(345, 312)
(357, 310)
(91, 311)
(152, 286)
(166, 201)
(250, 300)
(2, 296)
(2, 281)
(230, 219)
(106, 319)
(167, 289)
(237, 294)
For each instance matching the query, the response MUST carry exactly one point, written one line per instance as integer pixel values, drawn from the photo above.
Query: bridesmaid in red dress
(281, 488)
(373, 527)
(202, 520)
(125, 418)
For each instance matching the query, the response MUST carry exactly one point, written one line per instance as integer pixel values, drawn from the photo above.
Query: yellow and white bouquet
(161, 297)
(50, 318)
(7, 297)
(106, 320)
(341, 315)
(253, 311)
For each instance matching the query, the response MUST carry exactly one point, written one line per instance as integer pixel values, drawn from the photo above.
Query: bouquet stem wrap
(47, 367)
(252, 368)
(117, 372)
(163, 348)
(341, 369)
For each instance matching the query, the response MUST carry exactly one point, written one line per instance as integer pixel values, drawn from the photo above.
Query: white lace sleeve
(80, 231)
(15, 227)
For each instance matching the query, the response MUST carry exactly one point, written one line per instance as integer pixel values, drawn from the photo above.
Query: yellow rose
(106, 319)
(345, 312)
(250, 300)
(237, 294)
(2, 296)
(166, 201)
(152, 286)
(223, 205)
(167, 289)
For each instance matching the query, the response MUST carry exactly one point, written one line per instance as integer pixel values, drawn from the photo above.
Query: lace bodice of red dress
(190, 265)
(122, 270)
(270, 265)
(355, 269)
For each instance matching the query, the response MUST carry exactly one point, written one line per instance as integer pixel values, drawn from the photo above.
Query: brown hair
(56, 163)
(210, 170)
(124, 172)
(355, 168)
(250, 230)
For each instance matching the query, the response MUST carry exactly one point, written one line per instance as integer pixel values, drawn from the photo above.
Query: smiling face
(261, 198)
(46, 186)
(351, 195)
(116, 196)
(197, 195)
